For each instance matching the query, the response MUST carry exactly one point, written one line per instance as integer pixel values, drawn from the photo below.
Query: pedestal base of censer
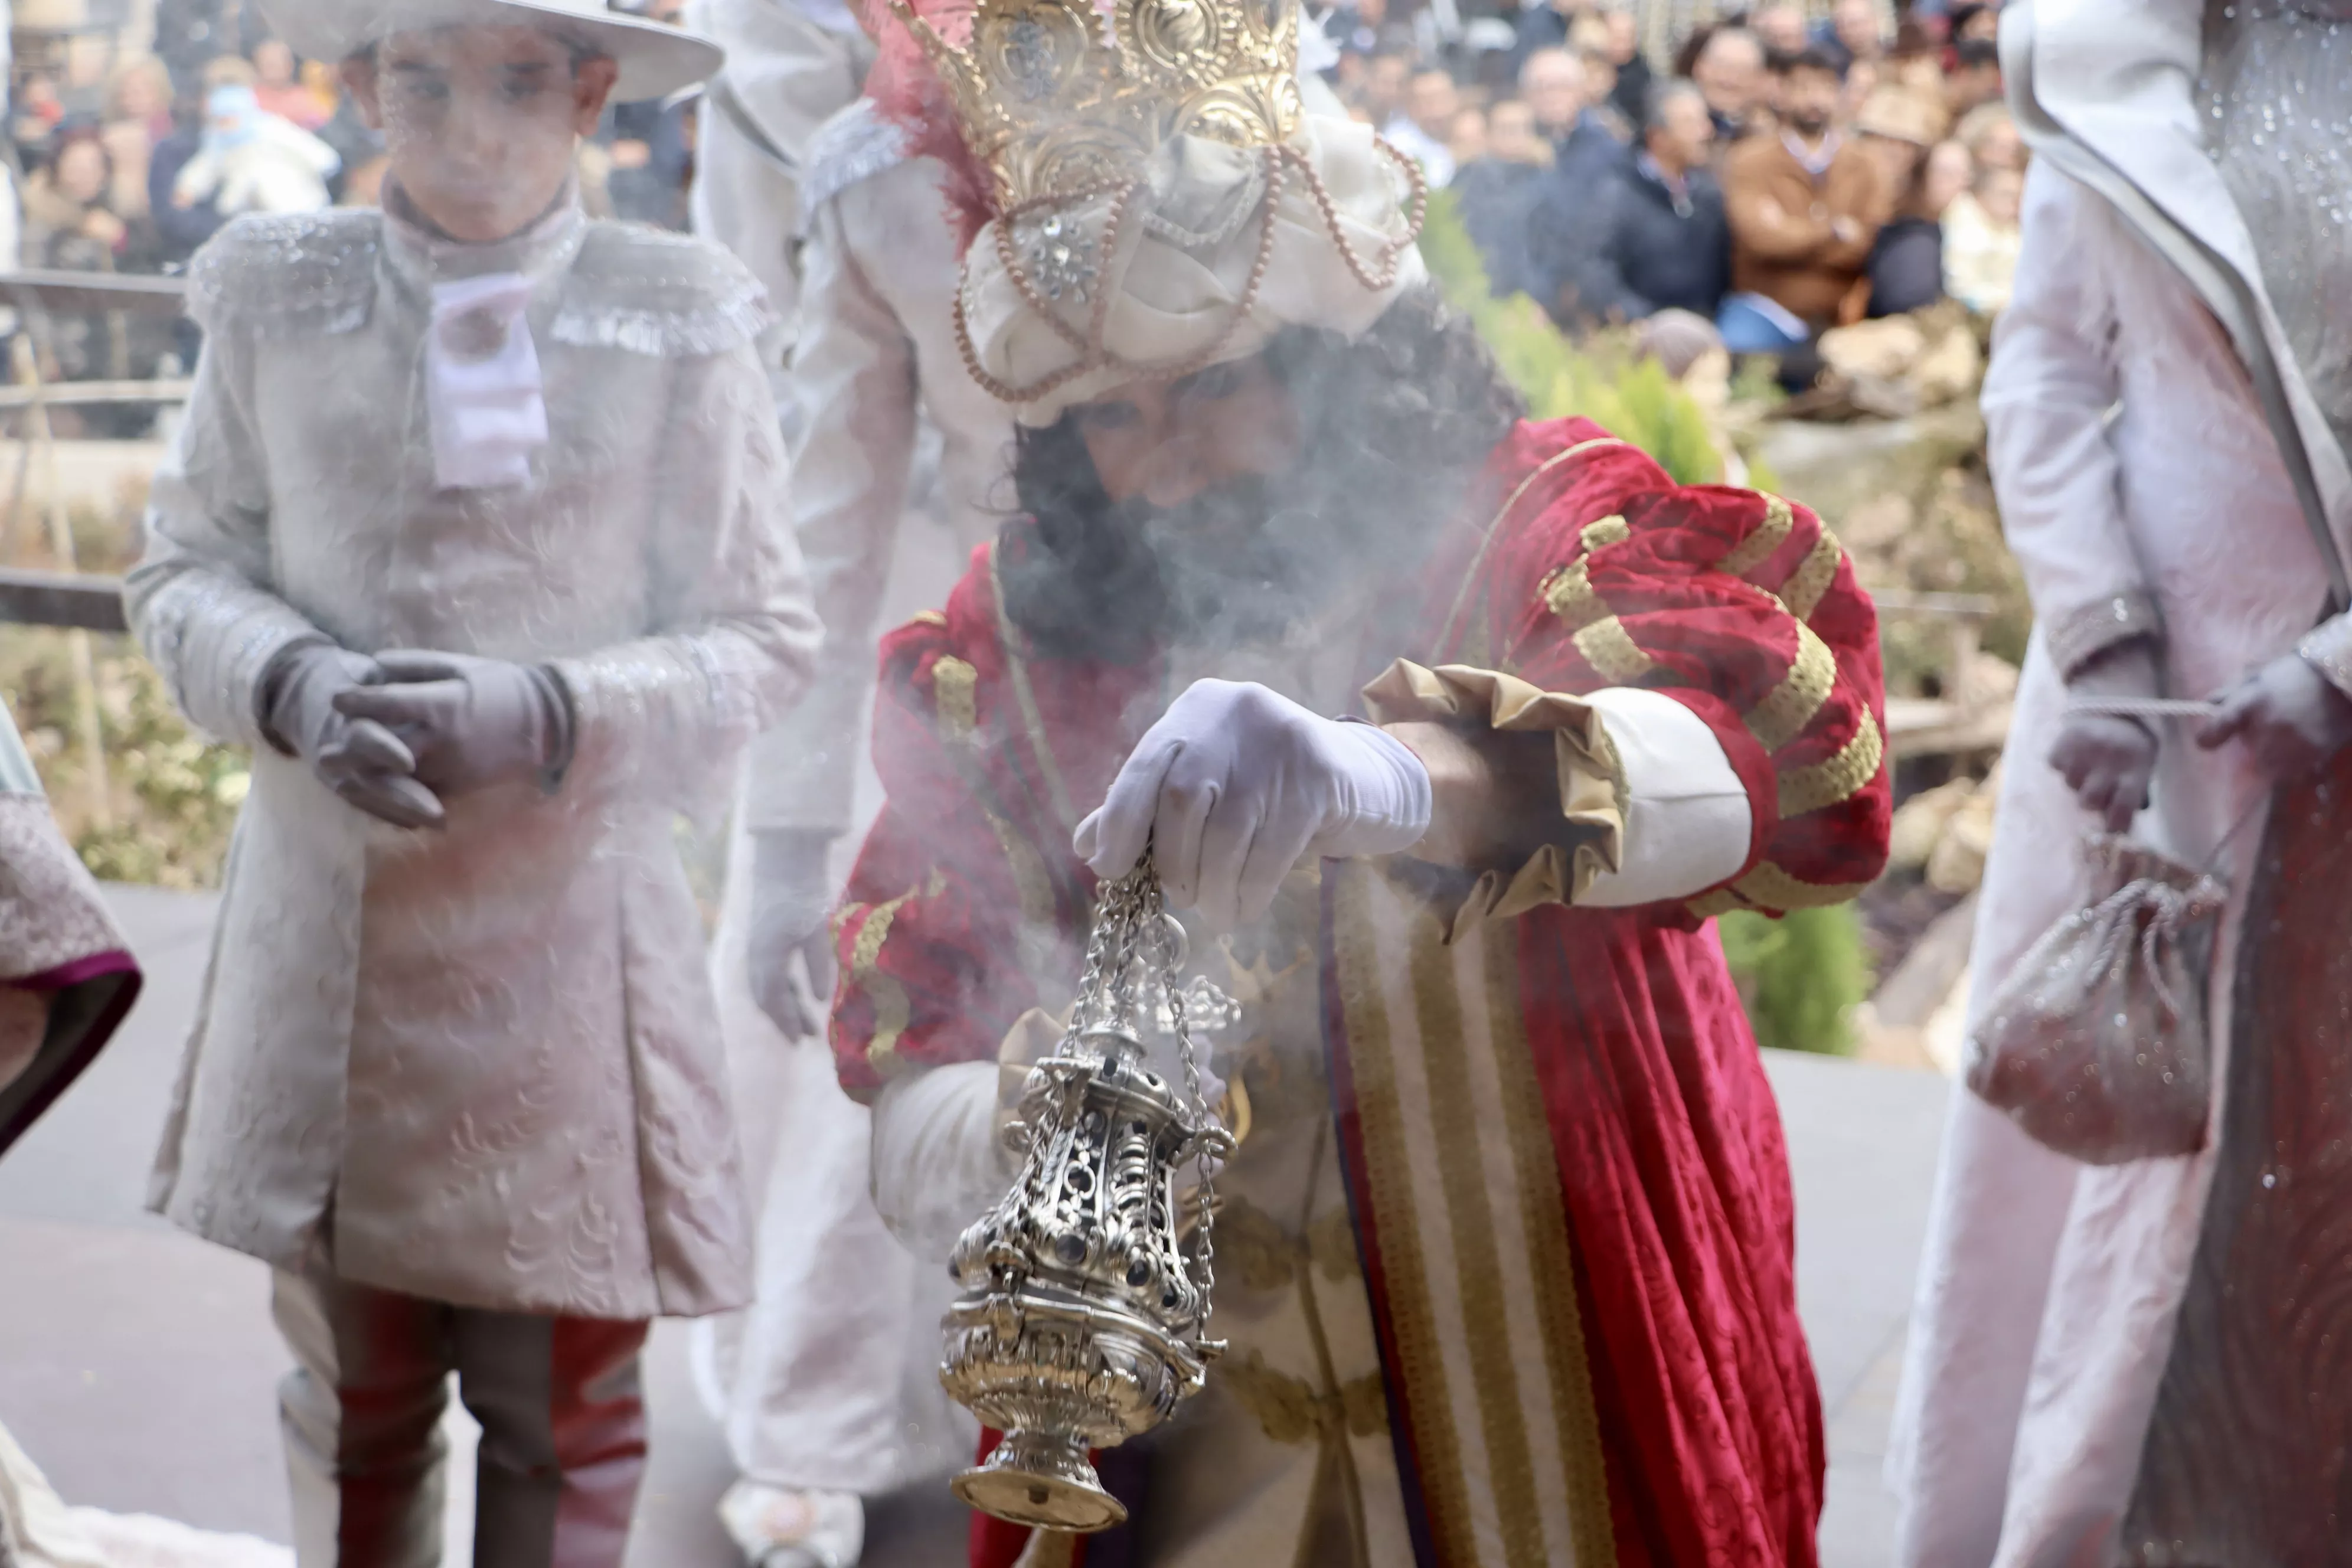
(1044, 1481)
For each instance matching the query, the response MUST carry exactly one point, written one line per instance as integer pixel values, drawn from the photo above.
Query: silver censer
(1084, 1318)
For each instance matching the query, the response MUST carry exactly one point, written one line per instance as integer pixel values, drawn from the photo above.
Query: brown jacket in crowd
(1782, 240)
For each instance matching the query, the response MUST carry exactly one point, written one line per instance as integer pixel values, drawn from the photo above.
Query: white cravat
(482, 383)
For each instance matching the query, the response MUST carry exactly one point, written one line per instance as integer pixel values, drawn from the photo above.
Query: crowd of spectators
(133, 172)
(1782, 174)
(1785, 174)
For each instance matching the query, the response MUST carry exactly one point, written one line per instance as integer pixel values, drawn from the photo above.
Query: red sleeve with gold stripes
(1599, 571)
(929, 932)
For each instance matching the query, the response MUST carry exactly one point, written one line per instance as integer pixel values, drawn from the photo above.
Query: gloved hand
(791, 901)
(471, 721)
(2290, 715)
(363, 762)
(1236, 785)
(2108, 761)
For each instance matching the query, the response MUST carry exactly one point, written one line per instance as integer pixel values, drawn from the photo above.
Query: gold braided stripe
(1770, 888)
(1495, 529)
(1755, 550)
(1461, 1142)
(1811, 579)
(1009, 638)
(927, 618)
(1372, 1054)
(1610, 529)
(955, 687)
(1837, 779)
(1609, 649)
(891, 1010)
(1569, 591)
(1785, 711)
(1721, 901)
(1551, 1260)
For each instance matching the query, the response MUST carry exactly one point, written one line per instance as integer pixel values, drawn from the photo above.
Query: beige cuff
(1592, 799)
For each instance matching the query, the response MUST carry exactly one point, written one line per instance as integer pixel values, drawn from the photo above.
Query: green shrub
(1801, 976)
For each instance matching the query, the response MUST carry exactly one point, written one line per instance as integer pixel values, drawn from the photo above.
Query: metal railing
(71, 599)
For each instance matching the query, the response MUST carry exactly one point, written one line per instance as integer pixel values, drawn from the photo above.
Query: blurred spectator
(1852, 35)
(1555, 88)
(355, 145)
(189, 35)
(70, 225)
(1655, 237)
(1780, 27)
(249, 160)
(1630, 95)
(179, 230)
(1805, 205)
(70, 222)
(1590, 44)
(1386, 83)
(1729, 69)
(1552, 85)
(1907, 262)
(35, 111)
(1914, 63)
(1422, 129)
(1980, 240)
(1495, 193)
(649, 162)
(1990, 134)
(1544, 25)
(1465, 140)
(138, 115)
(279, 89)
(1974, 79)
(1974, 22)
(1360, 28)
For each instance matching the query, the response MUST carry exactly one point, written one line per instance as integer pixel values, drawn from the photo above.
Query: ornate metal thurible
(1083, 1321)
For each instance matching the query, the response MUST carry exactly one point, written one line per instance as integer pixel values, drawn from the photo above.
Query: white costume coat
(2153, 444)
(829, 1381)
(480, 1062)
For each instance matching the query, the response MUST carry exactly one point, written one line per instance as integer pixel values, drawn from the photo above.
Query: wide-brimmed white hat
(656, 60)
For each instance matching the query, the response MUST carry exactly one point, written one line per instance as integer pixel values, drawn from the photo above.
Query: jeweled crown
(1060, 97)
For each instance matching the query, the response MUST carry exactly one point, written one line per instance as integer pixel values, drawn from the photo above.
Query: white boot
(777, 1526)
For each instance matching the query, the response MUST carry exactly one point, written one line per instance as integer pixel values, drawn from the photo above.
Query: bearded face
(1390, 432)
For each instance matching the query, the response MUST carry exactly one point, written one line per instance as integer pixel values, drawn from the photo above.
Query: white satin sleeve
(936, 1163)
(1688, 820)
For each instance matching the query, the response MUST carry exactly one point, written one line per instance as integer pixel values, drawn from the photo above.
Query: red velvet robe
(1683, 1420)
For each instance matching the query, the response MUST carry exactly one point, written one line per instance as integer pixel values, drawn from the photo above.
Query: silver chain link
(1132, 911)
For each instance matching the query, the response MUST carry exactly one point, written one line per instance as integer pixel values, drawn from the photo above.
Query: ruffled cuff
(2328, 648)
(1592, 790)
(2078, 635)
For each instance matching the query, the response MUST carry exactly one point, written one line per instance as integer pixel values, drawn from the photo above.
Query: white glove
(1236, 784)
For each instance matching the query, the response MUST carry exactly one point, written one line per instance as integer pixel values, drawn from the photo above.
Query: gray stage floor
(136, 1364)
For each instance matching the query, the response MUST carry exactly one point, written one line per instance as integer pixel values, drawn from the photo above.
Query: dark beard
(1394, 426)
(1239, 561)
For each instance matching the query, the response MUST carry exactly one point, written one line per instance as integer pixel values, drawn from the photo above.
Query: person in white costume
(827, 1387)
(790, 66)
(2142, 1364)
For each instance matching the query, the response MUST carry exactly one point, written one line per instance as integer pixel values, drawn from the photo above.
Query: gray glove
(2108, 761)
(363, 762)
(2287, 713)
(790, 899)
(471, 721)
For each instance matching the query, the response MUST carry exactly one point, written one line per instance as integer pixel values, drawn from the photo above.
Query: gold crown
(1054, 103)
